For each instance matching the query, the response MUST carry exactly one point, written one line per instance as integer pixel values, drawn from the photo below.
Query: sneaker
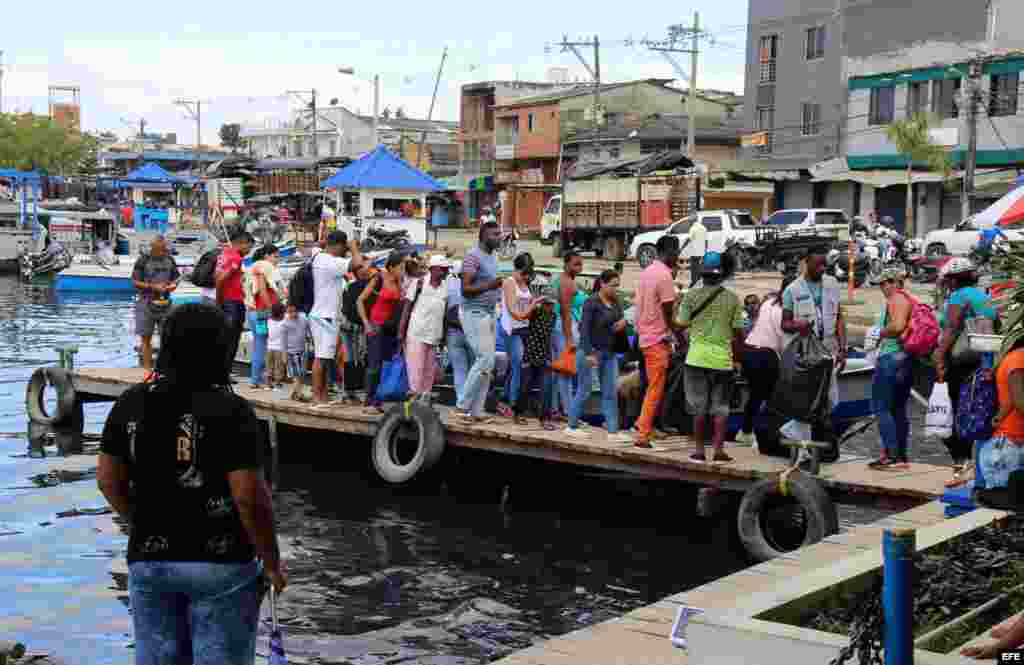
(620, 437)
(576, 432)
(882, 462)
(745, 439)
(504, 411)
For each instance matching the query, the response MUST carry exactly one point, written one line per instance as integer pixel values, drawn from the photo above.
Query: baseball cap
(439, 261)
(712, 264)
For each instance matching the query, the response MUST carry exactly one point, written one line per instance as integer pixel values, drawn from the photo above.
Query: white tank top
(520, 305)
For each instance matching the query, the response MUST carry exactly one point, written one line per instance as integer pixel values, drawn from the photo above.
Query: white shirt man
(328, 273)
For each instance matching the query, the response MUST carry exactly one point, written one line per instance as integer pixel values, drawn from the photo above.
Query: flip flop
(697, 457)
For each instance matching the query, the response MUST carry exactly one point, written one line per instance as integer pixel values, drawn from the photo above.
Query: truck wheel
(646, 255)
(556, 245)
(614, 248)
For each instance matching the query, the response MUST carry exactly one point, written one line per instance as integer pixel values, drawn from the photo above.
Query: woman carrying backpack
(890, 390)
(966, 309)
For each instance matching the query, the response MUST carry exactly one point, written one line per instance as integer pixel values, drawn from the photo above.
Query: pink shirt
(767, 331)
(654, 289)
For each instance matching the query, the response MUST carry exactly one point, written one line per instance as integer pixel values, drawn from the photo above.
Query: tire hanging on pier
(67, 401)
(409, 442)
(779, 515)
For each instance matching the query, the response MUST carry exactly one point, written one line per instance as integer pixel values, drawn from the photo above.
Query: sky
(132, 61)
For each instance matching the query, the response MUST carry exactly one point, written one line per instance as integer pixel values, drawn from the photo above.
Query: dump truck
(601, 211)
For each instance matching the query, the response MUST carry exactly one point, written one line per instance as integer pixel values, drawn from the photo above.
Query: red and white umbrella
(1007, 210)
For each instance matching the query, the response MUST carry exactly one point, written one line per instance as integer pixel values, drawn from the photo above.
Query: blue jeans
(890, 393)
(234, 312)
(461, 358)
(479, 328)
(259, 349)
(608, 371)
(514, 348)
(195, 612)
(563, 383)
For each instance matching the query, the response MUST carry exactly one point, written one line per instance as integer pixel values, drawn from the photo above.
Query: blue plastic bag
(394, 380)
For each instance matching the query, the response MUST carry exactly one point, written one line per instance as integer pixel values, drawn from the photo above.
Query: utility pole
(971, 94)
(194, 107)
(595, 71)
(670, 46)
(430, 113)
(312, 106)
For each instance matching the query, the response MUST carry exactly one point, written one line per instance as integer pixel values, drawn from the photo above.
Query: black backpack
(301, 289)
(348, 302)
(203, 274)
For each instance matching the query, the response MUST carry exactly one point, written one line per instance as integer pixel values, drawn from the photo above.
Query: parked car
(959, 240)
(830, 221)
(723, 226)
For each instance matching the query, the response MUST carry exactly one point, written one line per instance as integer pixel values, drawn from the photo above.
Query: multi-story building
(477, 137)
(342, 133)
(800, 54)
(540, 137)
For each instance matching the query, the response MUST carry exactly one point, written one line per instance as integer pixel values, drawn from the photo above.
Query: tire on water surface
(764, 500)
(67, 401)
(425, 447)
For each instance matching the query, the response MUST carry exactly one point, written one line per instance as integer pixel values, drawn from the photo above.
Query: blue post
(898, 547)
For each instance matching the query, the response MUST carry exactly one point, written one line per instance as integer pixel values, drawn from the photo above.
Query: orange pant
(656, 359)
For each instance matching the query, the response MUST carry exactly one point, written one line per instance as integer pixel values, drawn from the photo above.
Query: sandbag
(805, 375)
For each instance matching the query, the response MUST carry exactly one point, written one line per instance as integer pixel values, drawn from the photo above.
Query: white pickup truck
(959, 240)
(722, 226)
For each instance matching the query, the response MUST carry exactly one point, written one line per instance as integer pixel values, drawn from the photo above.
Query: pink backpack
(922, 333)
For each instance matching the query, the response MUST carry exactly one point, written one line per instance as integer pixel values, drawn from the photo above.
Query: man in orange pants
(655, 298)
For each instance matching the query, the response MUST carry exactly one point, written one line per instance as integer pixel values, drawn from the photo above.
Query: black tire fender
(66, 396)
(430, 442)
(822, 520)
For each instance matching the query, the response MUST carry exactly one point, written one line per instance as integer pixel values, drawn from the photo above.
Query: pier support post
(898, 549)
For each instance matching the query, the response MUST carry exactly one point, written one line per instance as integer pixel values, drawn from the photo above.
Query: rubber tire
(66, 397)
(367, 245)
(556, 245)
(822, 520)
(646, 255)
(614, 248)
(428, 453)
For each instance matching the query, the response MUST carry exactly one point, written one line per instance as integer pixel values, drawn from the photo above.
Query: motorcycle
(837, 264)
(376, 238)
(50, 261)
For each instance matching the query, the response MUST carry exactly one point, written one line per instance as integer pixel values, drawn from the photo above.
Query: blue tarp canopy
(20, 176)
(149, 173)
(380, 169)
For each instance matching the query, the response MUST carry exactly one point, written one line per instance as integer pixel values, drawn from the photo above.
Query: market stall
(392, 195)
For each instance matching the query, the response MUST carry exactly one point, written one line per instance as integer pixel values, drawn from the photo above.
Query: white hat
(439, 261)
(956, 266)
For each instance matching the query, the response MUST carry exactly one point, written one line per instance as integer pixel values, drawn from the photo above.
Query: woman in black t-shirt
(181, 461)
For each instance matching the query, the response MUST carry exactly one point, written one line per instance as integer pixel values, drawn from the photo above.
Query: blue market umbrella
(277, 656)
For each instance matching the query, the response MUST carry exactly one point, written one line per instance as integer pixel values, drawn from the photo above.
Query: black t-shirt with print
(179, 447)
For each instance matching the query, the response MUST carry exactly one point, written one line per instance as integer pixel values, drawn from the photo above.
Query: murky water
(437, 574)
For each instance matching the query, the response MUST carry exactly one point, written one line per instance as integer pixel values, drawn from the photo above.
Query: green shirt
(711, 334)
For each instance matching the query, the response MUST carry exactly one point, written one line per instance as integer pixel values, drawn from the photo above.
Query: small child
(537, 357)
(296, 327)
(277, 361)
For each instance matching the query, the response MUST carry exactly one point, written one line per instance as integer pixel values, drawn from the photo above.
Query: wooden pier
(848, 480)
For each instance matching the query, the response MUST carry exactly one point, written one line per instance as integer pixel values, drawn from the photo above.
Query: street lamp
(350, 71)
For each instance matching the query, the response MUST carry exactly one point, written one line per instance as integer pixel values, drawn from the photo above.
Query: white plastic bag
(938, 423)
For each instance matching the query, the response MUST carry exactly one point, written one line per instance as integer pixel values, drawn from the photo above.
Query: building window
(529, 122)
(769, 57)
(944, 96)
(917, 98)
(815, 42)
(1003, 94)
(883, 105)
(766, 123)
(812, 120)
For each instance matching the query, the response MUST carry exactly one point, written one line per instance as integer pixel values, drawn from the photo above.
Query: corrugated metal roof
(577, 91)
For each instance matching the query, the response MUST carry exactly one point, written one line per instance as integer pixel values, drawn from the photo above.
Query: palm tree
(912, 140)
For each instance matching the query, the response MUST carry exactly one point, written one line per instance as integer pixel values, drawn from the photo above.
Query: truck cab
(551, 220)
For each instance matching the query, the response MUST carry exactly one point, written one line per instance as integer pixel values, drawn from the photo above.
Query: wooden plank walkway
(641, 636)
(849, 478)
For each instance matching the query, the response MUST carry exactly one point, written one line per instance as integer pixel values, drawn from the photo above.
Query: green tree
(90, 162)
(913, 141)
(231, 135)
(34, 142)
